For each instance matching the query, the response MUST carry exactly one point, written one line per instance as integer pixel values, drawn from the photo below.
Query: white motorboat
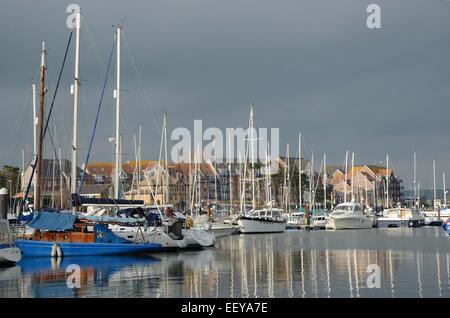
(9, 252)
(401, 217)
(349, 216)
(267, 220)
(319, 222)
(296, 220)
(218, 229)
(434, 218)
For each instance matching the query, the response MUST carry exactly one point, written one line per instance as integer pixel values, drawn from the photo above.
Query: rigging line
(48, 116)
(57, 158)
(133, 62)
(96, 118)
(96, 51)
(19, 119)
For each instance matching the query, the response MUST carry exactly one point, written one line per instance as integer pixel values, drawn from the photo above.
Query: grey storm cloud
(307, 65)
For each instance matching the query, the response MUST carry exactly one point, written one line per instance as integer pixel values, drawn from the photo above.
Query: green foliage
(10, 173)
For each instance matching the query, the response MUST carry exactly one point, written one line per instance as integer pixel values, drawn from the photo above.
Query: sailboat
(205, 221)
(192, 237)
(166, 231)
(267, 219)
(401, 216)
(64, 233)
(9, 252)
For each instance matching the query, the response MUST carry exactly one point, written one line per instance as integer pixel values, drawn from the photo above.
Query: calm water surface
(413, 263)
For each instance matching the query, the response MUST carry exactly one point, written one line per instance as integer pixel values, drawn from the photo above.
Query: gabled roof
(378, 170)
(103, 168)
(331, 169)
(293, 161)
(183, 168)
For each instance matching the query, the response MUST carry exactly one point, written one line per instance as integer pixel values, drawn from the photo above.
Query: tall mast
(139, 162)
(353, 168)
(445, 190)
(325, 181)
(35, 127)
(299, 171)
(415, 183)
(76, 84)
(37, 199)
(269, 176)
(434, 183)
(230, 189)
(387, 181)
(311, 181)
(252, 137)
(53, 168)
(418, 194)
(345, 176)
(117, 96)
(215, 175)
(61, 180)
(22, 177)
(166, 167)
(288, 188)
(199, 179)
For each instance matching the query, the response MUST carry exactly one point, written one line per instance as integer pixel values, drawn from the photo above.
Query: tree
(10, 173)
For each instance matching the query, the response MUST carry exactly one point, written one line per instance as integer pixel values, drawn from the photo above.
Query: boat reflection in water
(413, 262)
(51, 277)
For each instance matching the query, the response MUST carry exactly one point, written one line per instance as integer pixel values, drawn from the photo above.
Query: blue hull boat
(31, 248)
(58, 234)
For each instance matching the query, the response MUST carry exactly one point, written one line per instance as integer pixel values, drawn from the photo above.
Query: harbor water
(409, 262)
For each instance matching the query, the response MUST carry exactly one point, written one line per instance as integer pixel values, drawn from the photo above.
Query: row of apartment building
(219, 183)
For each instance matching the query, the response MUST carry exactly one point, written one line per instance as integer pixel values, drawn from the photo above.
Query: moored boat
(401, 217)
(62, 234)
(166, 231)
(349, 216)
(319, 222)
(217, 228)
(267, 220)
(9, 253)
(296, 220)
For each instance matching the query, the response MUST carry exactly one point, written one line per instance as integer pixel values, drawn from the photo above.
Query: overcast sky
(307, 65)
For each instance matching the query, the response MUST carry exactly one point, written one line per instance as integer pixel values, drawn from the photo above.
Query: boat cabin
(346, 208)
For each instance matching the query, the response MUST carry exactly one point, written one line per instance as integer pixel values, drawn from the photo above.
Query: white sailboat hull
(10, 255)
(150, 235)
(198, 238)
(222, 230)
(218, 229)
(255, 225)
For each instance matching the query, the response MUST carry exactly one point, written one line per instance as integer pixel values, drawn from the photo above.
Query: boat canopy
(110, 219)
(53, 221)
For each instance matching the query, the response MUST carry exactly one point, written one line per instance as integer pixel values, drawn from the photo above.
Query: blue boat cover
(26, 218)
(105, 235)
(53, 221)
